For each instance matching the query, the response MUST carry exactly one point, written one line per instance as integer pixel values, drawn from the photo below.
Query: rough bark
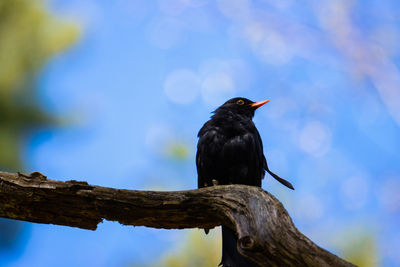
(265, 230)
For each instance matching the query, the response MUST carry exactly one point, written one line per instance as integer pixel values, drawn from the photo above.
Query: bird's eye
(240, 102)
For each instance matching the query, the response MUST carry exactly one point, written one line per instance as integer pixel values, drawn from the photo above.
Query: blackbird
(230, 151)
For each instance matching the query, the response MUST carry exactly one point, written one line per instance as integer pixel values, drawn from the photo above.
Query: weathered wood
(265, 230)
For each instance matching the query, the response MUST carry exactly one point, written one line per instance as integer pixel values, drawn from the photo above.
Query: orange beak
(259, 104)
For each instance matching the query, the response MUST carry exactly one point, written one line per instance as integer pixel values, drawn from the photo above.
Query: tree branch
(265, 230)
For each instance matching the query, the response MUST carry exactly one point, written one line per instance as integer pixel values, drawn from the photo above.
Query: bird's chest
(234, 128)
(230, 131)
(228, 140)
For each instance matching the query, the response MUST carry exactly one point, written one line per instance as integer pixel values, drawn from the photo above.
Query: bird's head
(241, 105)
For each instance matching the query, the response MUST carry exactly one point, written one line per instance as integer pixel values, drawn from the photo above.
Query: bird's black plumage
(230, 151)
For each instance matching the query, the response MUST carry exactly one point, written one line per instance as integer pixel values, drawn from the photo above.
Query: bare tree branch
(265, 230)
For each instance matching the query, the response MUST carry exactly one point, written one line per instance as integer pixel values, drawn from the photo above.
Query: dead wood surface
(265, 230)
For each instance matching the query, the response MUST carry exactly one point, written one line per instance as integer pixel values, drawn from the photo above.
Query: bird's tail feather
(230, 256)
(281, 180)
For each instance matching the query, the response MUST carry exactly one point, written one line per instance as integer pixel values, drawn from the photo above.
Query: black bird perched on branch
(230, 151)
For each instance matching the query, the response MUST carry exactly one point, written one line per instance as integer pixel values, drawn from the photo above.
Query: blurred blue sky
(145, 75)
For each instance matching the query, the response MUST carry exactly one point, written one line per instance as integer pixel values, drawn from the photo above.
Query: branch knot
(246, 243)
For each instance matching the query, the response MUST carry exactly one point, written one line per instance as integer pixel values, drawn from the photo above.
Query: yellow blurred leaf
(199, 249)
(29, 36)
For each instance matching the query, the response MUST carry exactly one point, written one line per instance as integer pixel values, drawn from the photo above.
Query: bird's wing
(208, 147)
(243, 160)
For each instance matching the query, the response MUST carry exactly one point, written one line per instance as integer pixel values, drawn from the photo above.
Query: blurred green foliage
(177, 151)
(29, 36)
(198, 250)
(360, 249)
